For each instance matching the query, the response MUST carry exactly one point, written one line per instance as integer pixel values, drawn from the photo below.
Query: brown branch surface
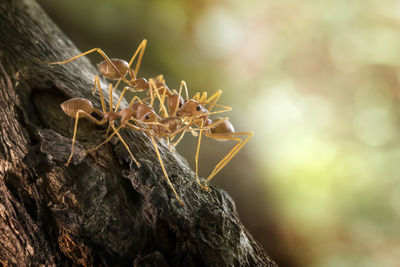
(102, 210)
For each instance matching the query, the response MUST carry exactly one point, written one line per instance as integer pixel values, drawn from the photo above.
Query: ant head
(145, 113)
(141, 109)
(149, 117)
(191, 108)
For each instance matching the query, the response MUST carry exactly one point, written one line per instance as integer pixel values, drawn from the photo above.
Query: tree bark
(102, 209)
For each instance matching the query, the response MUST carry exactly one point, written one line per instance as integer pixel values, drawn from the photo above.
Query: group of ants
(176, 115)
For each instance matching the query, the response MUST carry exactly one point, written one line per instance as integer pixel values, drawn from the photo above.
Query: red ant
(220, 129)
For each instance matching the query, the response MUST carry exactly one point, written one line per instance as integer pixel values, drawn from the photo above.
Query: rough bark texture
(102, 210)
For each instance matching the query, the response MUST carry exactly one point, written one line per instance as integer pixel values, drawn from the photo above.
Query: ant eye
(198, 108)
(147, 117)
(180, 104)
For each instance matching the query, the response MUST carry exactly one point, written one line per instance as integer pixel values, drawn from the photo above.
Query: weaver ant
(80, 107)
(117, 69)
(220, 129)
(143, 113)
(137, 111)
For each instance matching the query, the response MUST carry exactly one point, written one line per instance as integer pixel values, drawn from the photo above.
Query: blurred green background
(318, 83)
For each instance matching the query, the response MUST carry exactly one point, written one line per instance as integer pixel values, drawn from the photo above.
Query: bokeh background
(318, 83)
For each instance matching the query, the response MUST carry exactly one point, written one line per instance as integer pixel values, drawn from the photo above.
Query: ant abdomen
(108, 71)
(71, 106)
(222, 128)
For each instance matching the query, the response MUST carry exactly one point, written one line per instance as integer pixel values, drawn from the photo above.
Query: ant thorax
(111, 115)
(171, 123)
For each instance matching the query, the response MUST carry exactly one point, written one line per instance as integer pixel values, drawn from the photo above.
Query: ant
(176, 105)
(195, 114)
(220, 129)
(117, 69)
(80, 107)
(142, 112)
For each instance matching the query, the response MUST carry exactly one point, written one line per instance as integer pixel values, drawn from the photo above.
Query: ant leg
(183, 85)
(134, 127)
(203, 97)
(98, 50)
(146, 99)
(126, 88)
(151, 92)
(164, 96)
(184, 129)
(108, 130)
(179, 139)
(104, 142)
(98, 111)
(133, 101)
(77, 115)
(110, 94)
(231, 153)
(80, 55)
(164, 171)
(196, 96)
(216, 122)
(170, 147)
(180, 130)
(212, 124)
(97, 84)
(213, 99)
(126, 146)
(109, 138)
(126, 124)
(153, 85)
(212, 103)
(110, 103)
(224, 109)
(140, 48)
(197, 158)
(160, 78)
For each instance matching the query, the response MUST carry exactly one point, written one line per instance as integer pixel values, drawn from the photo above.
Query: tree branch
(102, 210)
